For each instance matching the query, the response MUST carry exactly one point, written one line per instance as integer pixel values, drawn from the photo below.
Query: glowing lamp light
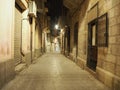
(61, 30)
(56, 26)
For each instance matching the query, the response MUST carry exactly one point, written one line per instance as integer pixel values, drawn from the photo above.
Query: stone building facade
(20, 36)
(98, 54)
(89, 36)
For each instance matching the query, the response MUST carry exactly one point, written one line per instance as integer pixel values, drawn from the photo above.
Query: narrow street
(53, 71)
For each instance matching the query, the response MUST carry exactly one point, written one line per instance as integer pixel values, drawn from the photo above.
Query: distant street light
(56, 26)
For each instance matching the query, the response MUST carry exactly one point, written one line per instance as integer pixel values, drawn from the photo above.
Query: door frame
(92, 61)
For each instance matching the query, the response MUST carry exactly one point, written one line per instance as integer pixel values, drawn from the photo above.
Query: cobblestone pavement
(53, 71)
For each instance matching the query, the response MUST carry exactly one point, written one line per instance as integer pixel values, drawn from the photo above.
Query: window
(102, 32)
(94, 35)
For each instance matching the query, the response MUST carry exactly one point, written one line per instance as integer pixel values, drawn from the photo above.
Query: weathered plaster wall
(6, 41)
(6, 27)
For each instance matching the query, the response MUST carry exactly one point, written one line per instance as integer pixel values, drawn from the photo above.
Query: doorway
(76, 40)
(92, 46)
(68, 40)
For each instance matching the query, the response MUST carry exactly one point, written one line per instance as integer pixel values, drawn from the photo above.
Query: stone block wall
(108, 62)
(81, 17)
(108, 57)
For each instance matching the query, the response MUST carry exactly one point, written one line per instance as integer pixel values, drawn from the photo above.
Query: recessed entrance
(76, 38)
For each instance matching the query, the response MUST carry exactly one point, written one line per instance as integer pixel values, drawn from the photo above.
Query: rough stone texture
(6, 72)
(81, 62)
(80, 17)
(108, 57)
(54, 72)
(116, 84)
(118, 60)
(108, 78)
(117, 70)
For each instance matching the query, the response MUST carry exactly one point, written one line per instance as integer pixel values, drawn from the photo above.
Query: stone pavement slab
(53, 71)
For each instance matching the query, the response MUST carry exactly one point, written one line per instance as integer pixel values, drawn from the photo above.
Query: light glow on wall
(6, 27)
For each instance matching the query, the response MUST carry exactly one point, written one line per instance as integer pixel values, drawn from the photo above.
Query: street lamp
(56, 26)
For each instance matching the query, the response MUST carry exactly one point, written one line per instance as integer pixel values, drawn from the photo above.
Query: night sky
(54, 11)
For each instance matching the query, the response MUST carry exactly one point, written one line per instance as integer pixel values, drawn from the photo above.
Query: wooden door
(92, 47)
